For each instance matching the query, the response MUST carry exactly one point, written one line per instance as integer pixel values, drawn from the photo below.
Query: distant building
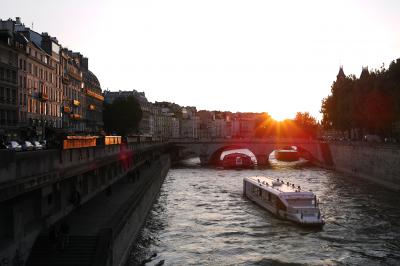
(243, 125)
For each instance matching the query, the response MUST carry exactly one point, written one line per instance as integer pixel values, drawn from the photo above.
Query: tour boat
(285, 200)
(237, 160)
(287, 154)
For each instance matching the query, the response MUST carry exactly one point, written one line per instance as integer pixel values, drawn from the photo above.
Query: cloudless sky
(250, 55)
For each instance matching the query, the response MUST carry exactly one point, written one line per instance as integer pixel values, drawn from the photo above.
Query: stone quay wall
(376, 162)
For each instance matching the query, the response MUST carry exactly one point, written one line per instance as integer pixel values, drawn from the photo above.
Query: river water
(202, 218)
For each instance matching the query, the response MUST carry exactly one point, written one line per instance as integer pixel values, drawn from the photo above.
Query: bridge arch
(215, 156)
(209, 151)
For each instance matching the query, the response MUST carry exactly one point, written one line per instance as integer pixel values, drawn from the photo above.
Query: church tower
(364, 72)
(341, 74)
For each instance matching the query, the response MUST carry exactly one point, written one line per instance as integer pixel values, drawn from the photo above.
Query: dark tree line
(367, 105)
(123, 116)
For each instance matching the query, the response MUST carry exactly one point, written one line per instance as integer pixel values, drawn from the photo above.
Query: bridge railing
(239, 140)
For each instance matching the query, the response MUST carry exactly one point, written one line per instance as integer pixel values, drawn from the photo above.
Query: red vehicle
(237, 160)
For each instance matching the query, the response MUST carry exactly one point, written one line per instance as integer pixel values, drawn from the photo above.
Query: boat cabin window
(256, 190)
(266, 196)
(301, 202)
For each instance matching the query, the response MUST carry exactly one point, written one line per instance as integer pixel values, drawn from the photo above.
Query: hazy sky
(273, 56)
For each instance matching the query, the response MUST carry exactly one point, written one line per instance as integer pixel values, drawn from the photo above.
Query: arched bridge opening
(218, 155)
(296, 152)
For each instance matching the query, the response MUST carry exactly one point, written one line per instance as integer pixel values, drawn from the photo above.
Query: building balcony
(77, 76)
(65, 79)
(67, 109)
(43, 96)
(76, 102)
(75, 116)
(94, 95)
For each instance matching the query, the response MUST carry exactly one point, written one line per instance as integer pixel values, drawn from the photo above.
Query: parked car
(37, 145)
(43, 143)
(13, 146)
(390, 140)
(27, 145)
(372, 138)
(3, 145)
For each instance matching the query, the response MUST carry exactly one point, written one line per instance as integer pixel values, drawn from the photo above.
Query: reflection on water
(201, 218)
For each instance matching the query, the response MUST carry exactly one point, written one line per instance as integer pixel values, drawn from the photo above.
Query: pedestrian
(64, 232)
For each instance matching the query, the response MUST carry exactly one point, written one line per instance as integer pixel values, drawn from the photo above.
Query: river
(202, 218)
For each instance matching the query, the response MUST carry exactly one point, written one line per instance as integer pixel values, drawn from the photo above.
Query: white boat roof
(279, 187)
(287, 151)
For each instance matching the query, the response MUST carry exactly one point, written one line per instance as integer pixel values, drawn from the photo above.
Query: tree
(369, 104)
(326, 110)
(307, 124)
(264, 126)
(122, 116)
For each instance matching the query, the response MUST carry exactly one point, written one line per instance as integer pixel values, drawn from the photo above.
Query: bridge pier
(204, 159)
(262, 160)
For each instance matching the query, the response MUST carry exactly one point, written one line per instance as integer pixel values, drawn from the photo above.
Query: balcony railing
(75, 116)
(94, 95)
(65, 79)
(43, 96)
(77, 76)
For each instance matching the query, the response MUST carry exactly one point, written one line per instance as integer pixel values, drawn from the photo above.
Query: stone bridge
(209, 150)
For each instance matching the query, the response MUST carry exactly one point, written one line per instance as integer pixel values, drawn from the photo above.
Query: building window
(14, 77)
(50, 199)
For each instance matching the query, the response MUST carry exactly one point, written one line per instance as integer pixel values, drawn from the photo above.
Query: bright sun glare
(280, 116)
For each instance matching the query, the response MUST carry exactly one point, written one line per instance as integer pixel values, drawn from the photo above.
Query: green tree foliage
(369, 104)
(122, 116)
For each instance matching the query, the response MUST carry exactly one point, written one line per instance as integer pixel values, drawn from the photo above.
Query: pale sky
(257, 56)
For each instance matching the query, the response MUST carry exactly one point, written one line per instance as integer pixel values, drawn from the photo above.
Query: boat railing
(300, 209)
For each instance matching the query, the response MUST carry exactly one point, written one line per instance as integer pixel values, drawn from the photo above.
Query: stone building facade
(8, 85)
(49, 88)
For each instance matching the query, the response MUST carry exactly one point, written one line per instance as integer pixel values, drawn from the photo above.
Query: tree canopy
(122, 116)
(369, 104)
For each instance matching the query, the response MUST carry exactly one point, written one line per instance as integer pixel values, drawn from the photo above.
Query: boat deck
(276, 184)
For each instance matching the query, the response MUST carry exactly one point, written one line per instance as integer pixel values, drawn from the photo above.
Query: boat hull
(287, 155)
(237, 161)
(303, 217)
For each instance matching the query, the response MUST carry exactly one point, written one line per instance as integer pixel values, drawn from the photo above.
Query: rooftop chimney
(18, 20)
